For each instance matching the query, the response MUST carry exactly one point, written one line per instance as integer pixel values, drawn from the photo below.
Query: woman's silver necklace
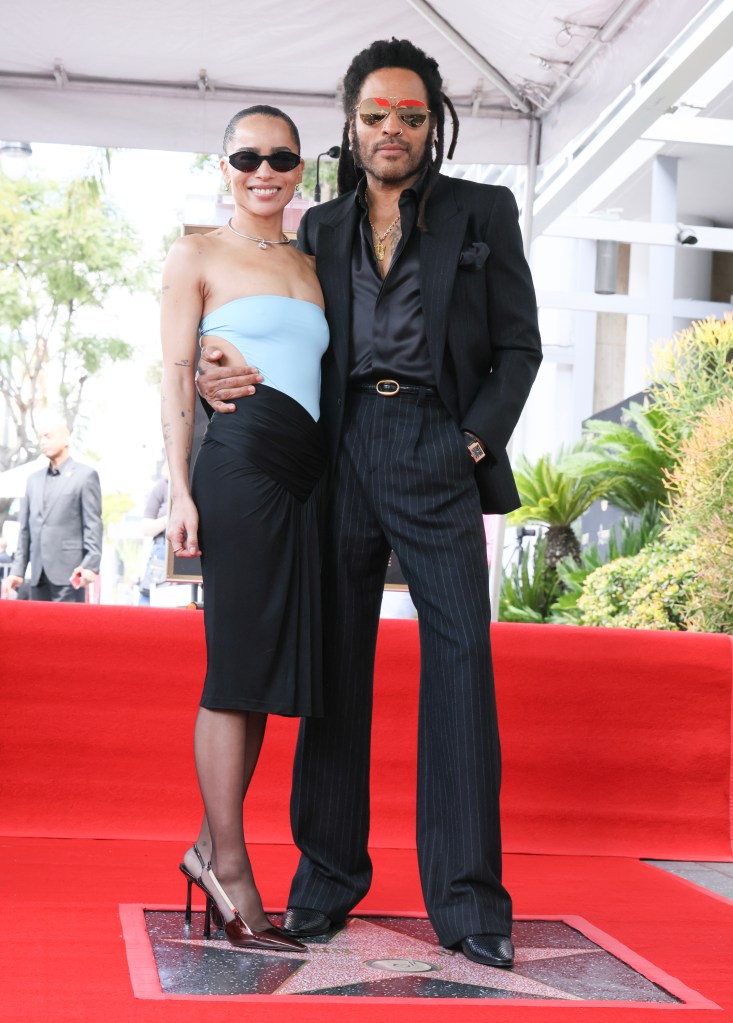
(262, 243)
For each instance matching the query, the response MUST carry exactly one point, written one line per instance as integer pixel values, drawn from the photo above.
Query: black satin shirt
(387, 324)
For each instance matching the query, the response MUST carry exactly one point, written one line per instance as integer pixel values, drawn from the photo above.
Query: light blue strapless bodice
(284, 338)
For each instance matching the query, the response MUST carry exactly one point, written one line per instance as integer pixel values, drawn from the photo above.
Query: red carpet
(614, 741)
(63, 957)
(617, 745)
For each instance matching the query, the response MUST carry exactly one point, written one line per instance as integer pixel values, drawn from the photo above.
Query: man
(60, 522)
(434, 347)
(5, 558)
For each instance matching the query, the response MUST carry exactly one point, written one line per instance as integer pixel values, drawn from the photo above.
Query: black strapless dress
(256, 485)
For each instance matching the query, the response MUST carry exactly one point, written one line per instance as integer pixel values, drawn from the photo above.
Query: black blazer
(480, 316)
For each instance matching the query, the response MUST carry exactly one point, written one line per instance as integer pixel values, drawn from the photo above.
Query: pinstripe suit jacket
(68, 533)
(480, 315)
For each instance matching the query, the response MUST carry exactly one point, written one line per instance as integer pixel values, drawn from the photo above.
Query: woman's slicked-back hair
(398, 53)
(266, 111)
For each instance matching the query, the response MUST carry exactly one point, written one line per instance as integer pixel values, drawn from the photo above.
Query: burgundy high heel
(191, 879)
(237, 930)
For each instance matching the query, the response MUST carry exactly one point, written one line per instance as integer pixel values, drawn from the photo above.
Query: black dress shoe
(306, 923)
(489, 949)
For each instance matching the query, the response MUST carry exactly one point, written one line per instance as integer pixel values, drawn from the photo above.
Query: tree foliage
(64, 251)
(552, 498)
(627, 462)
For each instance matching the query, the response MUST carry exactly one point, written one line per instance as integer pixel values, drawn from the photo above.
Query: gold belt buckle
(390, 393)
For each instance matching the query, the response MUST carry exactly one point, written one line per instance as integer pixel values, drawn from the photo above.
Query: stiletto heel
(237, 930)
(191, 879)
(188, 896)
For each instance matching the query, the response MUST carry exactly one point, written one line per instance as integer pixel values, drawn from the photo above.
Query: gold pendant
(379, 251)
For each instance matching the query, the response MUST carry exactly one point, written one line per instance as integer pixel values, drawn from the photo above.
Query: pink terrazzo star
(364, 952)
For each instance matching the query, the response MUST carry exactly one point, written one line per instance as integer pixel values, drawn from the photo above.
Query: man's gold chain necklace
(379, 238)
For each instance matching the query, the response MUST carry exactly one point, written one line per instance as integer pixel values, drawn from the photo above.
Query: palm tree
(630, 464)
(552, 498)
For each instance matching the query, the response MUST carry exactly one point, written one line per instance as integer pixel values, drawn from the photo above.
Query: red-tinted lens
(412, 112)
(375, 109)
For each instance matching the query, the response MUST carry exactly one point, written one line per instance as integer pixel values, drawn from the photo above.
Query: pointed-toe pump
(237, 930)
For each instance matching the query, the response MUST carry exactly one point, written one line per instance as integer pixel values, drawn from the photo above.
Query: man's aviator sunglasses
(247, 160)
(376, 109)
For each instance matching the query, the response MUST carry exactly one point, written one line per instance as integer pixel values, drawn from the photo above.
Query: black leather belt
(391, 388)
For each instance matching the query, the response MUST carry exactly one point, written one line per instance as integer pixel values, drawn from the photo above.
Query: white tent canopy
(168, 75)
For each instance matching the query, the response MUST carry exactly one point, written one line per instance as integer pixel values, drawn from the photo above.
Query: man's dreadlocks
(399, 53)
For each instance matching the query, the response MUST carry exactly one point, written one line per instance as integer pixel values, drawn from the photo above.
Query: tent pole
(497, 550)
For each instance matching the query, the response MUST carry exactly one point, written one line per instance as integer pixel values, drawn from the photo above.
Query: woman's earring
(226, 186)
(297, 193)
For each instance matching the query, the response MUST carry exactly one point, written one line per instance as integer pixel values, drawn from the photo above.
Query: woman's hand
(217, 384)
(183, 525)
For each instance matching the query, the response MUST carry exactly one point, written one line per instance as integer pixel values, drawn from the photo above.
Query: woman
(251, 507)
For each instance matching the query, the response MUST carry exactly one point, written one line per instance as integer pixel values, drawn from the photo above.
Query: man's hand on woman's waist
(219, 385)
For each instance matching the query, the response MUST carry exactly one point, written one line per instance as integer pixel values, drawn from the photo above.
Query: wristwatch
(475, 446)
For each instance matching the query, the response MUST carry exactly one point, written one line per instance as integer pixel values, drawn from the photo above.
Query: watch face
(477, 452)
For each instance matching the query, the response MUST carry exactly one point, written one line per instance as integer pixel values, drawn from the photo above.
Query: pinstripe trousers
(404, 480)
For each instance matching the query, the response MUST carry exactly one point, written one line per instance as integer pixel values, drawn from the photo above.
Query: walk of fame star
(363, 950)
(393, 957)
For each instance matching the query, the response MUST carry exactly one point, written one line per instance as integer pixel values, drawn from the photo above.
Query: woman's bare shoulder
(198, 244)
(192, 253)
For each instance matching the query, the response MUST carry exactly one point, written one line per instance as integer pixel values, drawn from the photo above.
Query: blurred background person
(5, 560)
(60, 522)
(155, 519)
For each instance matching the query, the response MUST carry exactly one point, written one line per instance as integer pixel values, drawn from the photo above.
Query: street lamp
(334, 152)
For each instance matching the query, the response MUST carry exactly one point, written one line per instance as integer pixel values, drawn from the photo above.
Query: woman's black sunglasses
(247, 160)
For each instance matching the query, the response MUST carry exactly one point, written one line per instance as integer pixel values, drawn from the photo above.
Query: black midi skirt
(256, 485)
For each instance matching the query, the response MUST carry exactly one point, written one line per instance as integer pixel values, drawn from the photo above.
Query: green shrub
(528, 590)
(693, 371)
(631, 536)
(626, 462)
(701, 490)
(650, 590)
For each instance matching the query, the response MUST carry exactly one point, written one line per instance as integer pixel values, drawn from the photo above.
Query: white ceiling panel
(168, 75)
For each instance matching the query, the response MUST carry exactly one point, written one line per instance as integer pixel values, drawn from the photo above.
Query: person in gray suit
(60, 523)
(434, 348)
